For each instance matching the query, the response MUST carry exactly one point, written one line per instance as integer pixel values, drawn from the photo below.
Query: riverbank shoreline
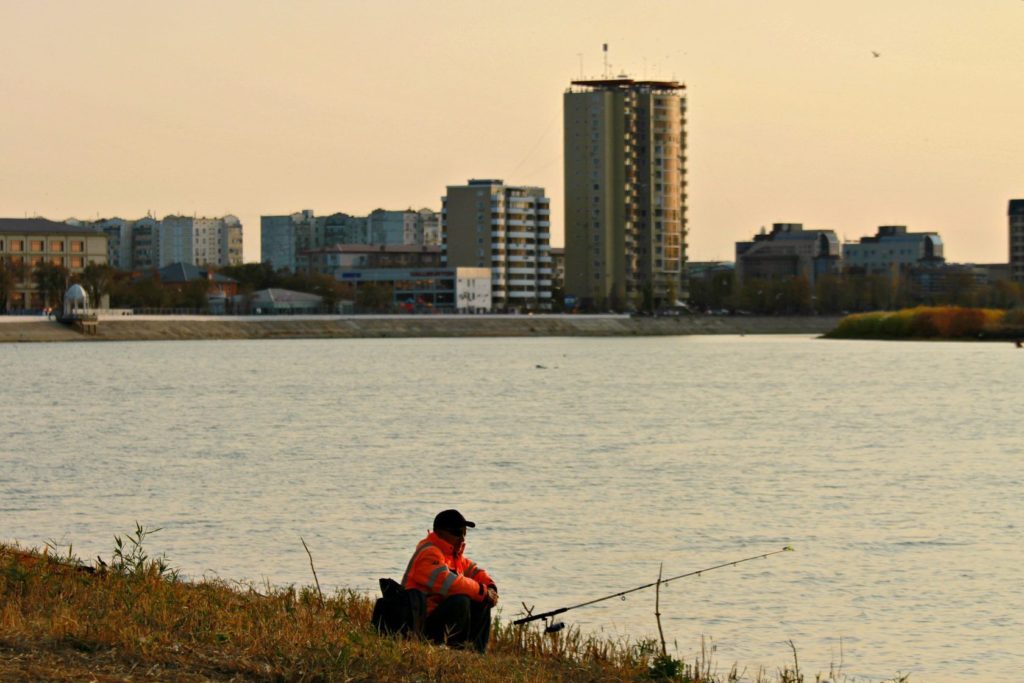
(166, 328)
(66, 620)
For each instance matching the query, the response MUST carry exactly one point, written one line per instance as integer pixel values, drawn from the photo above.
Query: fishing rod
(546, 615)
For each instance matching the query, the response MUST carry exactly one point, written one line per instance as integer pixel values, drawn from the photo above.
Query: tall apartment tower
(625, 192)
(1017, 240)
(487, 224)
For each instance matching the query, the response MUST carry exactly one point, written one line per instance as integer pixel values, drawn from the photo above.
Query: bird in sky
(876, 54)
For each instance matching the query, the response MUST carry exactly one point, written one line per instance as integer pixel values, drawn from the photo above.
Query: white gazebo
(76, 302)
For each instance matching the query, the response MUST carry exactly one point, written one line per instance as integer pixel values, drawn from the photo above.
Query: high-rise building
(487, 224)
(175, 240)
(1017, 239)
(625, 192)
(200, 241)
(280, 238)
(145, 244)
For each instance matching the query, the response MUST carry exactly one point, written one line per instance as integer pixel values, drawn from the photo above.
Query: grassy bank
(132, 619)
(934, 322)
(370, 327)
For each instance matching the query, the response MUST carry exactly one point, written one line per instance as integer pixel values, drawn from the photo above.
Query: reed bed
(134, 618)
(932, 322)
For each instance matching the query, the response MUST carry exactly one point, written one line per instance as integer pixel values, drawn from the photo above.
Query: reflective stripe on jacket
(439, 569)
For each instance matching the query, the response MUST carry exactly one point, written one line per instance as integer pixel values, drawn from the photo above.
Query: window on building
(56, 245)
(77, 262)
(34, 261)
(35, 245)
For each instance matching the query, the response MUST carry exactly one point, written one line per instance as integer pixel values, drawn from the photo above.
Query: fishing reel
(552, 626)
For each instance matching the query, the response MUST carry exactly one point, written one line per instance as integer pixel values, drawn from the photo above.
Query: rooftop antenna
(604, 48)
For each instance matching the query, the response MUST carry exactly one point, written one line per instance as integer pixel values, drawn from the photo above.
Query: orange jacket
(439, 569)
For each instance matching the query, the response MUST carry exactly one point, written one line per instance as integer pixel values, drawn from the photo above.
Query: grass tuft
(134, 618)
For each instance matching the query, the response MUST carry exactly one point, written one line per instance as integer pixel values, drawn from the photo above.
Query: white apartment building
(487, 224)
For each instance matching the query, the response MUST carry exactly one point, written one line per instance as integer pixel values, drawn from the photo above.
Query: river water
(895, 470)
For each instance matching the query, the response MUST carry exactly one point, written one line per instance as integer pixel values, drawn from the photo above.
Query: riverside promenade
(171, 327)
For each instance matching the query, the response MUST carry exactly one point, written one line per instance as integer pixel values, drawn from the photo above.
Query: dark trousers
(458, 621)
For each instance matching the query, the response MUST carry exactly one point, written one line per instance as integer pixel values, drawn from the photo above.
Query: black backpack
(400, 611)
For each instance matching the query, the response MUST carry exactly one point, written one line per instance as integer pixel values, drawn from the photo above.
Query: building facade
(145, 245)
(487, 224)
(429, 224)
(1017, 239)
(27, 243)
(394, 227)
(428, 290)
(788, 251)
(342, 228)
(131, 244)
(327, 260)
(284, 238)
(200, 241)
(281, 236)
(625, 191)
(893, 249)
(119, 241)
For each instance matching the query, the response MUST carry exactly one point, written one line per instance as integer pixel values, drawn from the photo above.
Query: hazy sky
(251, 107)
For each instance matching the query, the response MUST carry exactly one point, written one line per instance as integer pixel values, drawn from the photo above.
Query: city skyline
(113, 108)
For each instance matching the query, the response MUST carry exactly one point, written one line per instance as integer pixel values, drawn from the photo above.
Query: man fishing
(460, 594)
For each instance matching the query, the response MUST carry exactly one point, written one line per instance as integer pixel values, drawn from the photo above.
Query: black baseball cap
(451, 519)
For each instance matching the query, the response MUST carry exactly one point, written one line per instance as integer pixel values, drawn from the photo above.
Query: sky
(252, 107)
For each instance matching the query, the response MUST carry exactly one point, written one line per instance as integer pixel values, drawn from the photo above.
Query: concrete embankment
(142, 328)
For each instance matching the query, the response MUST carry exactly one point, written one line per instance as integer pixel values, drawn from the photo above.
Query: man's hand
(491, 597)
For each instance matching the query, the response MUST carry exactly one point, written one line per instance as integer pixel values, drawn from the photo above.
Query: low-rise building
(893, 249)
(26, 243)
(219, 288)
(427, 290)
(276, 301)
(788, 251)
(702, 270)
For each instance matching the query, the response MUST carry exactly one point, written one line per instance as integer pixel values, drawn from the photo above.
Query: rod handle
(535, 617)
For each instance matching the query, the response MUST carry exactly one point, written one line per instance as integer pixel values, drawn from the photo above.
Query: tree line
(845, 293)
(144, 290)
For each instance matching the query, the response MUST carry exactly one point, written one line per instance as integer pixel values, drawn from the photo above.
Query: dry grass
(136, 620)
(928, 322)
